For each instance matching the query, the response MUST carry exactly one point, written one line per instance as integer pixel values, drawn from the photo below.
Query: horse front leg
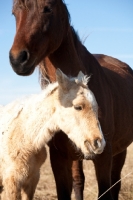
(61, 167)
(78, 179)
(103, 164)
(12, 190)
(29, 187)
(117, 165)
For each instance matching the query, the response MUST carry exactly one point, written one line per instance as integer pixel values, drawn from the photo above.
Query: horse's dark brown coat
(44, 36)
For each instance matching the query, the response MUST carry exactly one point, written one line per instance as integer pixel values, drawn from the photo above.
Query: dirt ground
(46, 187)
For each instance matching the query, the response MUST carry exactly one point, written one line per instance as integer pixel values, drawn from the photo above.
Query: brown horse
(44, 36)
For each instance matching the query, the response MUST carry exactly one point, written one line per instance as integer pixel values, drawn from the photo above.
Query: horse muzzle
(95, 147)
(20, 63)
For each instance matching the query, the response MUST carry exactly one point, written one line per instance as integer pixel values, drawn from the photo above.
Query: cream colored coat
(26, 125)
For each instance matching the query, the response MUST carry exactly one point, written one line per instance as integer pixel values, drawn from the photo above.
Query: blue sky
(107, 25)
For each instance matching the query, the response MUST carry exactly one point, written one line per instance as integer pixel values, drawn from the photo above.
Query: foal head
(78, 114)
(41, 25)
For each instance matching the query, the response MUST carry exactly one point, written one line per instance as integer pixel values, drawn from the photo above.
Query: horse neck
(72, 57)
(66, 57)
(41, 129)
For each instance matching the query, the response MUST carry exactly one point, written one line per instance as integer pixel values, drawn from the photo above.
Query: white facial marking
(103, 140)
(91, 98)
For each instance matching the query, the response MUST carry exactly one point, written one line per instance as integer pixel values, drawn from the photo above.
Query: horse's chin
(80, 156)
(89, 156)
(21, 71)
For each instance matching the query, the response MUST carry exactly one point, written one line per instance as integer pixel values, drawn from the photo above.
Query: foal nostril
(21, 58)
(96, 146)
(97, 143)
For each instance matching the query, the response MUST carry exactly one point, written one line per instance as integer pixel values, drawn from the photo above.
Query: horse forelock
(24, 3)
(19, 2)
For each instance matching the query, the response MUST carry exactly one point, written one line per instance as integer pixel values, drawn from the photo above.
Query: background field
(46, 187)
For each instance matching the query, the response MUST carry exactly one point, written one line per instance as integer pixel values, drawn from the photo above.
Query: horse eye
(78, 108)
(47, 9)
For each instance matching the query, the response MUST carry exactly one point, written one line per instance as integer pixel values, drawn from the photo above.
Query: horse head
(40, 28)
(79, 106)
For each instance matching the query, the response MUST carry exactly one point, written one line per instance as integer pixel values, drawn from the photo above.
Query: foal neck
(43, 106)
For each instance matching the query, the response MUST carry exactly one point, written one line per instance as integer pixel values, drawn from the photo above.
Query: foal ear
(81, 78)
(62, 79)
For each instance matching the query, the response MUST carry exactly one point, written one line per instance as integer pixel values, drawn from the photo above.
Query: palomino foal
(25, 126)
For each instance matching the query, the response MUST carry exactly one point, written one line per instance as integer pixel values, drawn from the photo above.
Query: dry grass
(46, 187)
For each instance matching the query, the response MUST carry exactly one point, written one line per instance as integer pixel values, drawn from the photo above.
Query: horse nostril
(20, 58)
(96, 146)
(87, 144)
(97, 143)
(23, 57)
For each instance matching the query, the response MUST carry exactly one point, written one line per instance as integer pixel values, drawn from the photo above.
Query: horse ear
(62, 79)
(81, 78)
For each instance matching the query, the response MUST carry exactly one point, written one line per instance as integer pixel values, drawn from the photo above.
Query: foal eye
(47, 9)
(78, 108)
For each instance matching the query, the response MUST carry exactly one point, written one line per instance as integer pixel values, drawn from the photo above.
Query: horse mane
(66, 11)
(79, 47)
(43, 78)
(76, 38)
